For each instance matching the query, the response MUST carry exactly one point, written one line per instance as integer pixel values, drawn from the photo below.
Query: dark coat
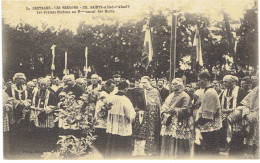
(77, 90)
(164, 93)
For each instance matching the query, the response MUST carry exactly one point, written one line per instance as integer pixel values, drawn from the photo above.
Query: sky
(14, 12)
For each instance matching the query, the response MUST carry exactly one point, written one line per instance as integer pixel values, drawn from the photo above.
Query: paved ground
(28, 147)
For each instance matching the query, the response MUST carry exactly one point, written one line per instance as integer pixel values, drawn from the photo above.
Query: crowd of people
(145, 119)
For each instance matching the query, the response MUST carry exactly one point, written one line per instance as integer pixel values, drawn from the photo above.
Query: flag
(198, 57)
(53, 56)
(147, 54)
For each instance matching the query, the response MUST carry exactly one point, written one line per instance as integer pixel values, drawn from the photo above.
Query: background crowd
(148, 118)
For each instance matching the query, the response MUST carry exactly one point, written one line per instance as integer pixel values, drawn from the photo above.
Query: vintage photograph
(130, 79)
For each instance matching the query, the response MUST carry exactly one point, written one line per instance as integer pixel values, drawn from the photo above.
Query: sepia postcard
(130, 79)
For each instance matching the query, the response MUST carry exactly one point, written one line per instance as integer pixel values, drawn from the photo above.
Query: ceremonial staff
(173, 47)
(53, 56)
(230, 40)
(65, 72)
(86, 65)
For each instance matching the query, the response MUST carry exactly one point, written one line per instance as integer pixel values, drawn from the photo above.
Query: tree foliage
(117, 48)
(247, 47)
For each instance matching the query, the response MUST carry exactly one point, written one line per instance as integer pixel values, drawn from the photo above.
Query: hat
(19, 75)
(122, 85)
(235, 78)
(30, 83)
(230, 78)
(81, 80)
(116, 76)
(247, 80)
(178, 80)
(62, 94)
(94, 76)
(146, 77)
(44, 81)
(69, 77)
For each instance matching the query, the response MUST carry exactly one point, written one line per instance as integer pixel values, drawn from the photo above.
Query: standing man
(82, 82)
(19, 117)
(147, 123)
(42, 115)
(101, 116)
(40, 66)
(137, 84)
(72, 86)
(119, 124)
(166, 83)
(178, 127)
(30, 89)
(7, 110)
(55, 84)
(100, 80)
(35, 81)
(244, 89)
(208, 119)
(45, 100)
(254, 81)
(95, 86)
(18, 90)
(9, 83)
(153, 83)
(117, 80)
(216, 86)
(230, 98)
(251, 114)
(164, 93)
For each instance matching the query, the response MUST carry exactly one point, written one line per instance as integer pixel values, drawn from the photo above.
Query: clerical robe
(17, 92)
(43, 99)
(177, 134)
(44, 131)
(232, 133)
(209, 121)
(147, 124)
(119, 127)
(251, 101)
